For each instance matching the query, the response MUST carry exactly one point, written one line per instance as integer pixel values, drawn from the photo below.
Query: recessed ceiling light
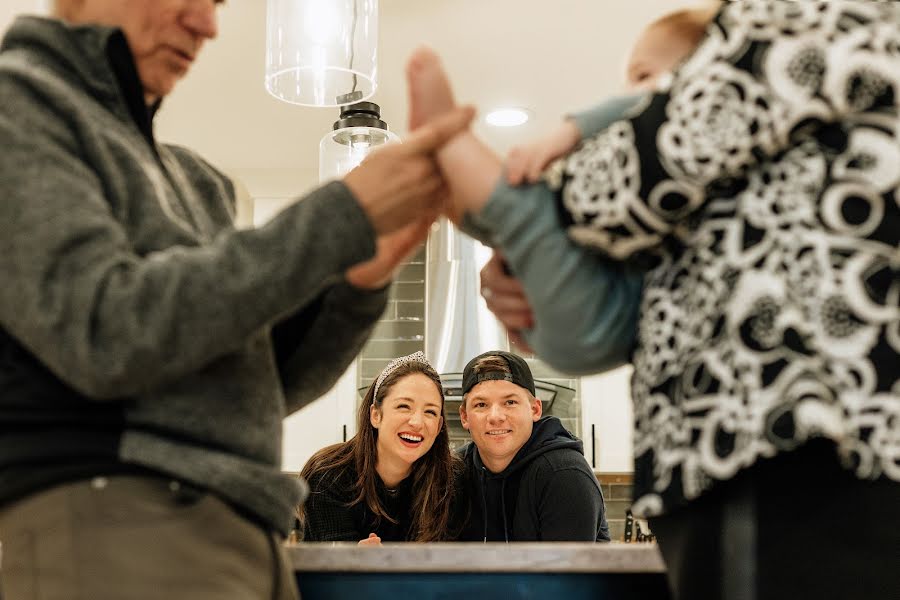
(507, 117)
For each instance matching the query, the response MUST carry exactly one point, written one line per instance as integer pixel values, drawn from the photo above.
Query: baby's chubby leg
(430, 94)
(470, 168)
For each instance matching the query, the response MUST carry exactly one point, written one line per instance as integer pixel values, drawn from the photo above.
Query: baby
(553, 271)
(662, 45)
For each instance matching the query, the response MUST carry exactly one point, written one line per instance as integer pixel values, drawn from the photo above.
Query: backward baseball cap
(520, 373)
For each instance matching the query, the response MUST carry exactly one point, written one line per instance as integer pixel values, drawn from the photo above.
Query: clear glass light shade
(322, 52)
(341, 150)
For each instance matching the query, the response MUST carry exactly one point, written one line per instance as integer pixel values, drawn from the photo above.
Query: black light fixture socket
(361, 114)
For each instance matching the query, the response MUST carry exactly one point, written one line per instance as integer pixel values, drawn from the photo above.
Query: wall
(9, 9)
(606, 404)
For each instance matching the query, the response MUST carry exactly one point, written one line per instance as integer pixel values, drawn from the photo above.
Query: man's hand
(526, 163)
(505, 298)
(392, 249)
(398, 183)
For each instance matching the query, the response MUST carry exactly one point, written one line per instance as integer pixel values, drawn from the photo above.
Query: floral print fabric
(763, 185)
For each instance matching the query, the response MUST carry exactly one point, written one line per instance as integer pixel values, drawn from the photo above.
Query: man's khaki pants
(137, 538)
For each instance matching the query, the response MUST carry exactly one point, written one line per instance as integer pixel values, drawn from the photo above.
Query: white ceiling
(549, 56)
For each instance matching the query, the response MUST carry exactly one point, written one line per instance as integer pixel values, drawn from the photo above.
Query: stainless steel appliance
(458, 324)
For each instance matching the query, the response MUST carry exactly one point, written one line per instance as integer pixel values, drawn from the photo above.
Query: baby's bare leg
(430, 94)
(470, 168)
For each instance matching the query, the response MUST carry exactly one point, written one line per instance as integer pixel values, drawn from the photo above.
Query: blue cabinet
(471, 571)
(474, 586)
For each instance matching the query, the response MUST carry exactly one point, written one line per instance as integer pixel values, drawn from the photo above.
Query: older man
(149, 350)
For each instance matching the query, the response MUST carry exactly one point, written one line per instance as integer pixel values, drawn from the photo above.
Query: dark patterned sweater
(765, 183)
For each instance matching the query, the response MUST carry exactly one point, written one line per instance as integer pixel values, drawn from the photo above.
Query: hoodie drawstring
(503, 509)
(484, 505)
(484, 502)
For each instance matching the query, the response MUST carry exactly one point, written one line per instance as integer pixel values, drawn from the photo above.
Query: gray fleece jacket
(138, 327)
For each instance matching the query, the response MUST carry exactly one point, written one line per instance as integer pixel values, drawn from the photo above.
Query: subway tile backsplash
(617, 495)
(410, 310)
(388, 349)
(401, 329)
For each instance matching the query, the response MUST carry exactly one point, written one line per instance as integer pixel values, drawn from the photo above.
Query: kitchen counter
(560, 557)
(474, 570)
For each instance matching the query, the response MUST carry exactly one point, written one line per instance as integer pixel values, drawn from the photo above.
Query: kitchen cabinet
(607, 420)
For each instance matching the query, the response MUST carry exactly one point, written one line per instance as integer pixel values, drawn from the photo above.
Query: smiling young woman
(394, 480)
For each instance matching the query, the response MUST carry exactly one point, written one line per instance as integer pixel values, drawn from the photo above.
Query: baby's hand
(372, 540)
(526, 163)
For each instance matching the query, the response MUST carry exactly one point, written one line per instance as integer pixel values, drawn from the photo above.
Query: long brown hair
(432, 475)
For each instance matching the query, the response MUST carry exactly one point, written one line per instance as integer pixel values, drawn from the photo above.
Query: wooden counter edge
(544, 557)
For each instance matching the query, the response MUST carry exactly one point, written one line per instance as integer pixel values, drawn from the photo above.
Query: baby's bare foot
(429, 90)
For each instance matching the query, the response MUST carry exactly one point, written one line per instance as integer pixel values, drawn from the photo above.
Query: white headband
(415, 357)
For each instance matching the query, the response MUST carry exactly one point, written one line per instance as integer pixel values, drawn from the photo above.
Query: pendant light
(322, 52)
(358, 131)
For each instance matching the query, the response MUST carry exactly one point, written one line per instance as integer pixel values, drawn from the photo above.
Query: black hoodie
(547, 493)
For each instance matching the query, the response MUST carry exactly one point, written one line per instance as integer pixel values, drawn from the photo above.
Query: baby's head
(664, 44)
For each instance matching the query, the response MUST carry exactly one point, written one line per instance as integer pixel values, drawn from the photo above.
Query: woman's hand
(372, 540)
(526, 163)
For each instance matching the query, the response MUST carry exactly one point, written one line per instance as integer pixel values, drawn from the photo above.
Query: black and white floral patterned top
(764, 182)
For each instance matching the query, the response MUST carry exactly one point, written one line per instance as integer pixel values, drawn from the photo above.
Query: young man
(149, 350)
(526, 476)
